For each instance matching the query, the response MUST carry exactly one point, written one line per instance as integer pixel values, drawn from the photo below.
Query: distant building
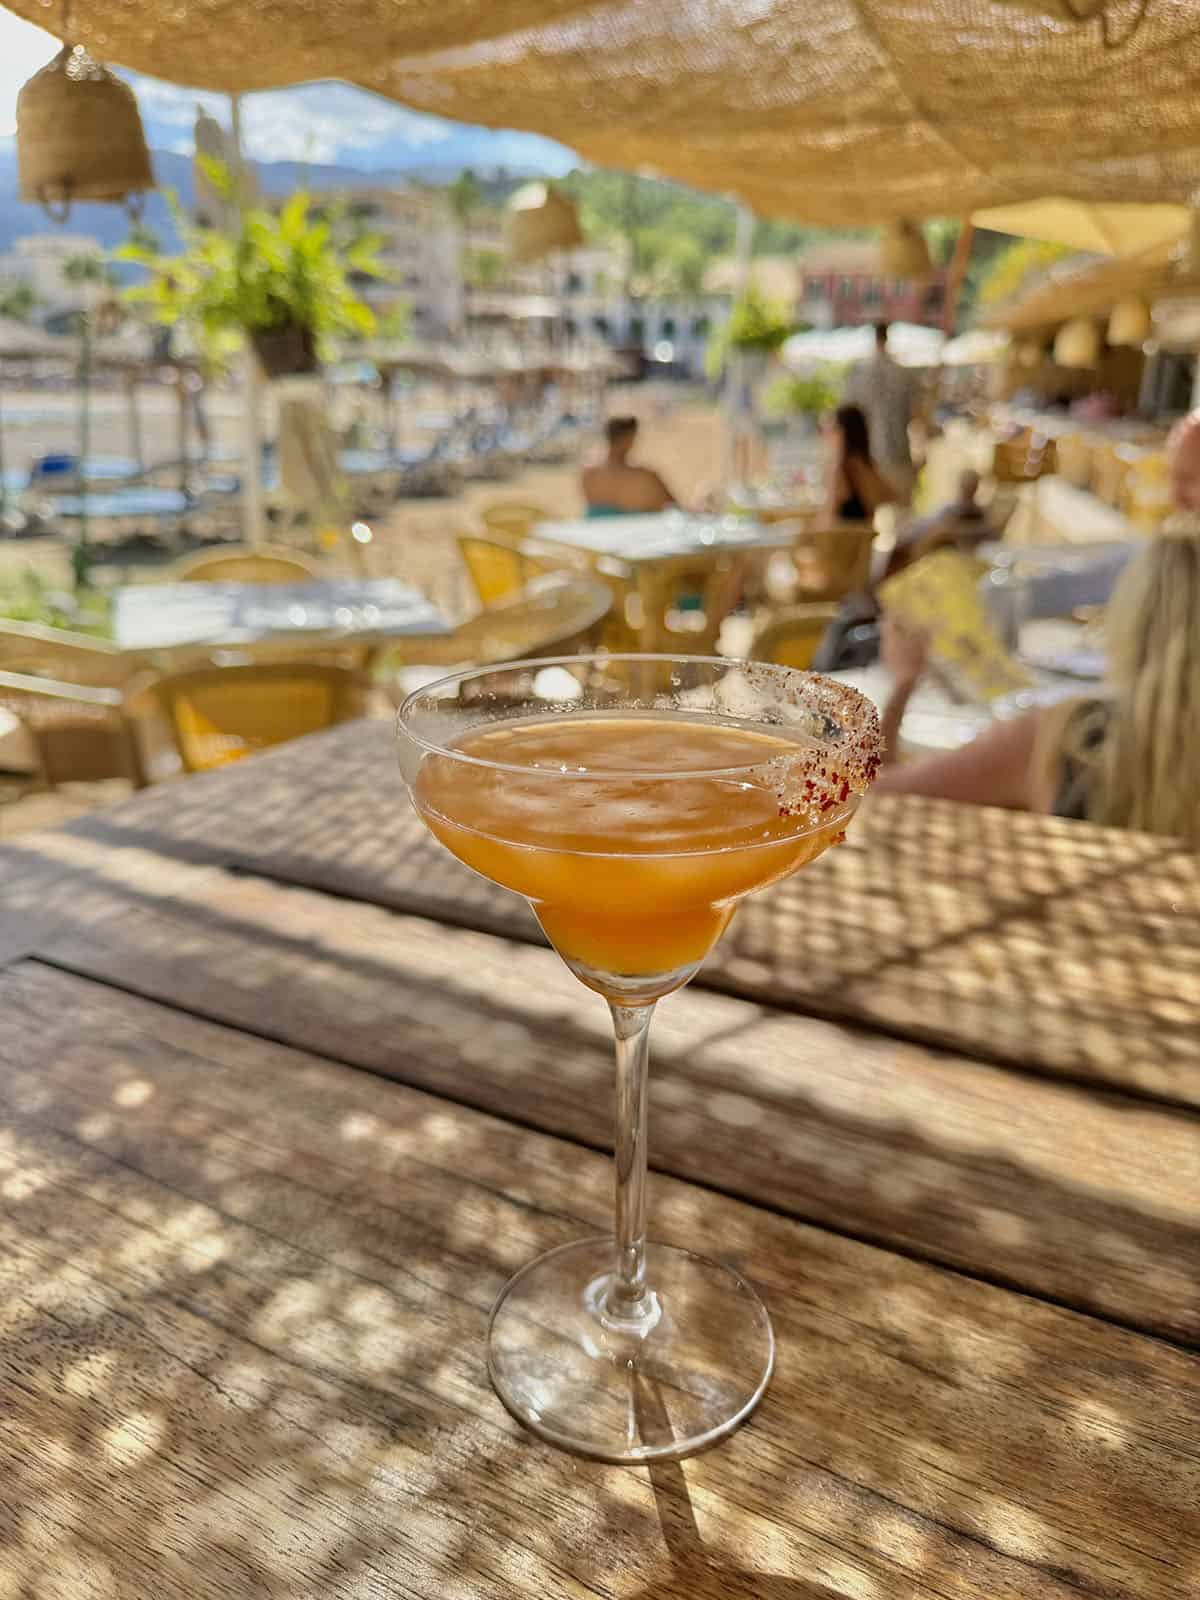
(583, 297)
(38, 261)
(775, 277)
(840, 284)
(419, 247)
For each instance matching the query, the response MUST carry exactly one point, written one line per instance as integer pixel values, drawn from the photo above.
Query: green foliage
(756, 326)
(90, 268)
(465, 194)
(681, 266)
(396, 321)
(484, 268)
(28, 597)
(812, 394)
(278, 271)
(756, 323)
(657, 217)
(19, 302)
(942, 235)
(1007, 270)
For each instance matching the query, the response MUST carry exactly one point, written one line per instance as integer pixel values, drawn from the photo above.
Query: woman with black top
(857, 488)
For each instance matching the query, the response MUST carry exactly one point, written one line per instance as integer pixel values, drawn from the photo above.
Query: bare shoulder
(998, 768)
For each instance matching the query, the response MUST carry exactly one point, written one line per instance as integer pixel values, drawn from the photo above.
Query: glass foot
(689, 1375)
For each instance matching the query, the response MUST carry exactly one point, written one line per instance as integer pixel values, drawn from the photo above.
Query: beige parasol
(1113, 230)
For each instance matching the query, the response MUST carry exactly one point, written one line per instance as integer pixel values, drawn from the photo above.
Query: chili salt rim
(844, 758)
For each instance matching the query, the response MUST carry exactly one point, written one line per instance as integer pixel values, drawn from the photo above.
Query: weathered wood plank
(241, 1328)
(1063, 1191)
(1056, 946)
(57, 881)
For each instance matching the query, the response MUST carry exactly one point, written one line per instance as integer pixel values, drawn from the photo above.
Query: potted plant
(281, 279)
(756, 329)
(807, 396)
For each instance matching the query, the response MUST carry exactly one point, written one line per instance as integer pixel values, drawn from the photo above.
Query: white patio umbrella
(976, 348)
(908, 343)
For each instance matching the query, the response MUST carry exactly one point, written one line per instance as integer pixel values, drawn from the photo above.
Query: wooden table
(287, 1095)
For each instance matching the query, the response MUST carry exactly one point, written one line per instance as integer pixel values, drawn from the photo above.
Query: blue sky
(315, 122)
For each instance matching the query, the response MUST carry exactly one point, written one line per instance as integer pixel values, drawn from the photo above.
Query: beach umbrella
(908, 343)
(1119, 229)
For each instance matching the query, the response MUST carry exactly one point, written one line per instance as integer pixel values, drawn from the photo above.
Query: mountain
(110, 224)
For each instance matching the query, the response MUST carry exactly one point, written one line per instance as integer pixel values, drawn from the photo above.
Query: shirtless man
(616, 486)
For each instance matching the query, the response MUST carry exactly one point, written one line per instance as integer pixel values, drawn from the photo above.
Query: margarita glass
(634, 800)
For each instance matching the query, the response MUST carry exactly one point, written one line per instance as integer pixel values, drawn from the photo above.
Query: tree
(396, 322)
(484, 268)
(464, 195)
(682, 267)
(90, 268)
(941, 235)
(19, 302)
(1005, 274)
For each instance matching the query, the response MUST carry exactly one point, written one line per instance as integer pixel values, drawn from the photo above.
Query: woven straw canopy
(841, 111)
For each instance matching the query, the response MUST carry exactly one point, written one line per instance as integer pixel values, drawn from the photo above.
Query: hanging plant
(281, 280)
(756, 326)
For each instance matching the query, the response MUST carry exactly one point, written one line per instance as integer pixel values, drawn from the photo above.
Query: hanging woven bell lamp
(1077, 344)
(903, 252)
(79, 136)
(541, 220)
(1129, 322)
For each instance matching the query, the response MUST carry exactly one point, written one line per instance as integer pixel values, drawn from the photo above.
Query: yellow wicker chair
(556, 615)
(833, 562)
(512, 519)
(244, 564)
(221, 714)
(684, 601)
(791, 639)
(1113, 464)
(1023, 458)
(80, 733)
(498, 571)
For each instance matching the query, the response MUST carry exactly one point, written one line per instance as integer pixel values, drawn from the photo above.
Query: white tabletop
(163, 615)
(662, 536)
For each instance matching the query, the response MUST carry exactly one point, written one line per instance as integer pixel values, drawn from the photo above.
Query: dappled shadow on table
(1053, 946)
(245, 1295)
(1069, 1193)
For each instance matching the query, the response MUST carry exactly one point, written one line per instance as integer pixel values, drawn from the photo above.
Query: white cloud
(23, 49)
(330, 121)
(318, 122)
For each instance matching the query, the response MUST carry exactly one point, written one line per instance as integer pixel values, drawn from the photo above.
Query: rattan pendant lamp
(541, 220)
(79, 135)
(903, 252)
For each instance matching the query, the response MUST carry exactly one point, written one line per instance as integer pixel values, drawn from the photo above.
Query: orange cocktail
(632, 836)
(633, 800)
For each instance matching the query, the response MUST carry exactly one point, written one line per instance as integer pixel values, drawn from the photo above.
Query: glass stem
(628, 1300)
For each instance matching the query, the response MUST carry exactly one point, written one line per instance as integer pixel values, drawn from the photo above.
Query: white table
(662, 536)
(168, 615)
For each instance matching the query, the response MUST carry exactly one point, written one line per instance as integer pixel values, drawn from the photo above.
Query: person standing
(887, 393)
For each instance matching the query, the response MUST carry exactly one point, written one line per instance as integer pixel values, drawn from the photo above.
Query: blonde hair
(1145, 772)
